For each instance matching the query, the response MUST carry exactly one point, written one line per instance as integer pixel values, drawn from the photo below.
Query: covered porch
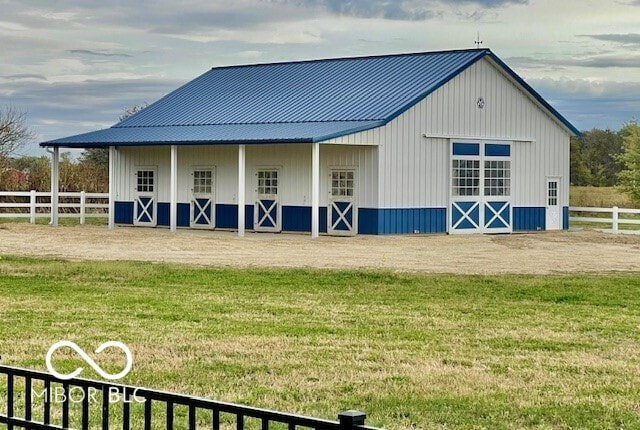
(284, 187)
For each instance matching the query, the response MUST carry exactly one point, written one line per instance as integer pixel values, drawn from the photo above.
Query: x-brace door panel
(145, 203)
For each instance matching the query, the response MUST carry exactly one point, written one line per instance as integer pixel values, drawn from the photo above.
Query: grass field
(412, 351)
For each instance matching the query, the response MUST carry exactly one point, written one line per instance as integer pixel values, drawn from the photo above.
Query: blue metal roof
(305, 101)
(302, 132)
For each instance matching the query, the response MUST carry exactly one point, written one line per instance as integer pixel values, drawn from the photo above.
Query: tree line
(607, 158)
(34, 173)
(24, 173)
(599, 158)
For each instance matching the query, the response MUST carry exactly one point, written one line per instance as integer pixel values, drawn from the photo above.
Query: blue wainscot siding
(298, 218)
(227, 216)
(183, 214)
(123, 212)
(529, 219)
(402, 221)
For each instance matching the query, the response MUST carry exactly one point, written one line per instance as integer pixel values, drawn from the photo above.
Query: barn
(435, 142)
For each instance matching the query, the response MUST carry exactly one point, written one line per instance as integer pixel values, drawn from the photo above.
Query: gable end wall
(414, 170)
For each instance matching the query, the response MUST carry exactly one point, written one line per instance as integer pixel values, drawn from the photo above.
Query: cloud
(395, 10)
(57, 109)
(621, 60)
(589, 103)
(403, 10)
(624, 39)
(489, 3)
(584, 89)
(606, 61)
(12, 26)
(238, 16)
(98, 53)
(24, 76)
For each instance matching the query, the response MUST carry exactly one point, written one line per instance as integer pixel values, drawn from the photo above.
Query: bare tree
(14, 131)
(132, 110)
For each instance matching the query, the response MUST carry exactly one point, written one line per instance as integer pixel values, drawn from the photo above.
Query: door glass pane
(145, 181)
(202, 181)
(497, 178)
(465, 177)
(268, 182)
(552, 193)
(342, 183)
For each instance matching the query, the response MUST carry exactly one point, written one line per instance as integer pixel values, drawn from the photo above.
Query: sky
(75, 65)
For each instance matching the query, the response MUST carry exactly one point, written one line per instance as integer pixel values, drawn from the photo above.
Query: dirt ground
(536, 253)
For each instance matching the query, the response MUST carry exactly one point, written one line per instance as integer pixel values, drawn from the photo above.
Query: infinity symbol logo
(88, 359)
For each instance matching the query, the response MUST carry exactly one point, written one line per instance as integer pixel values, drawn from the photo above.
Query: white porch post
(241, 186)
(173, 203)
(315, 190)
(55, 184)
(112, 194)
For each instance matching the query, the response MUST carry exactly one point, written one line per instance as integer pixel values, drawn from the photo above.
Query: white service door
(267, 215)
(203, 205)
(145, 203)
(553, 212)
(342, 214)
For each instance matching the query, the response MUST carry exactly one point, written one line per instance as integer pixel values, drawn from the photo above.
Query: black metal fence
(39, 401)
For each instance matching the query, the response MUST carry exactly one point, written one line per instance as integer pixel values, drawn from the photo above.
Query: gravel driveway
(536, 253)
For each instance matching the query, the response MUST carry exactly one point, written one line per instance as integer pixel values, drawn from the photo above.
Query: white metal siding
(294, 162)
(414, 170)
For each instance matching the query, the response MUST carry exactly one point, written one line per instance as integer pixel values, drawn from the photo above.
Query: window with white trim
(553, 193)
(202, 181)
(342, 183)
(268, 182)
(145, 181)
(465, 176)
(497, 178)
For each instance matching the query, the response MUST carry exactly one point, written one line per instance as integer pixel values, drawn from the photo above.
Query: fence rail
(37, 204)
(113, 406)
(619, 216)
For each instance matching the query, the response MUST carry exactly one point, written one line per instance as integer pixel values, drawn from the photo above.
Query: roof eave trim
(82, 145)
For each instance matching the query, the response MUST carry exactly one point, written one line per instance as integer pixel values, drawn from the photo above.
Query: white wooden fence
(36, 204)
(619, 216)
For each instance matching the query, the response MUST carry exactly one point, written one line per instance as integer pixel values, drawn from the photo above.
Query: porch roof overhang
(219, 134)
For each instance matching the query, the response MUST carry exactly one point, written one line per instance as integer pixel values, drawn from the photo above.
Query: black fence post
(350, 419)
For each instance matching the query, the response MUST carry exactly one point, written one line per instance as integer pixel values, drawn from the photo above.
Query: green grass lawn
(412, 351)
